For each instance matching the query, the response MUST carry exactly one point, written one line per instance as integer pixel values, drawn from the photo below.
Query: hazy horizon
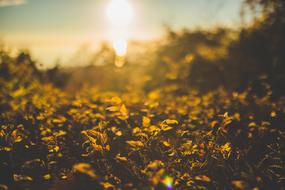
(54, 30)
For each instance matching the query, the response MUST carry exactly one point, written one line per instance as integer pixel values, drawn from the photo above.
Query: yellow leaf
(237, 116)
(19, 92)
(123, 113)
(226, 147)
(116, 100)
(123, 110)
(214, 123)
(166, 128)
(97, 139)
(121, 158)
(165, 143)
(56, 148)
(273, 114)
(239, 184)
(203, 178)
(18, 139)
(6, 149)
(47, 177)
(154, 95)
(116, 131)
(49, 138)
(135, 143)
(113, 108)
(107, 185)
(40, 117)
(136, 130)
(226, 150)
(60, 119)
(85, 169)
(22, 178)
(153, 165)
(146, 121)
(153, 128)
(2, 133)
(16, 136)
(252, 124)
(170, 121)
(59, 133)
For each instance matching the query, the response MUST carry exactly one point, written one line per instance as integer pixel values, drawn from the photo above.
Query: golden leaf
(121, 158)
(47, 177)
(239, 184)
(226, 150)
(6, 149)
(85, 169)
(16, 137)
(107, 185)
(116, 100)
(19, 92)
(123, 110)
(136, 130)
(2, 133)
(60, 119)
(56, 149)
(170, 121)
(113, 108)
(203, 178)
(135, 143)
(153, 128)
(145, 121)
(166, 128)
(214, 123)
(165, 143)
(252, 124)
(154, 95)
(22, 178)
(60, 133)
(273, 114)
(48, 138)
(153, 165)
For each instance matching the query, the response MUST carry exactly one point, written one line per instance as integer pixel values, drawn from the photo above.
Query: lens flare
(119, 61)
(120, 47)
(168, 182)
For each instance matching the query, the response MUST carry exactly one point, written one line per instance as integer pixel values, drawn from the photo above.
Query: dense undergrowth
(98, 140)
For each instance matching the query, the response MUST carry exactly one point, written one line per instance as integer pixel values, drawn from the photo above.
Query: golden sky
(56, 28)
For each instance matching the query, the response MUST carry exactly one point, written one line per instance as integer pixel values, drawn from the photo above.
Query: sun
(119, 12)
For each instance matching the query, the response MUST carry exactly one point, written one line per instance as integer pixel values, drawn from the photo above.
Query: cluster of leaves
(218, 140)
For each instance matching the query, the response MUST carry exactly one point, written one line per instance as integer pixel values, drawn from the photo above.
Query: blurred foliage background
(197, 59)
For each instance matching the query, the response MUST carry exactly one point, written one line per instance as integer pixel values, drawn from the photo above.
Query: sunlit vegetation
(217, 140)
(196, 110)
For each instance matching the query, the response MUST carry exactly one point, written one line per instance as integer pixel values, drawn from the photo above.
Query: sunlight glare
(120, 47)
(119, 12)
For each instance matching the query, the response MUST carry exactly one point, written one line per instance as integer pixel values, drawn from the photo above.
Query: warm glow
(120, 47)
(168, 182)
(120, 12)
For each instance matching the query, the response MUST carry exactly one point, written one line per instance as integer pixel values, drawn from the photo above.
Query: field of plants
(53, 139)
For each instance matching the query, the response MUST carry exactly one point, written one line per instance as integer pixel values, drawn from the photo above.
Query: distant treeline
(227, 58)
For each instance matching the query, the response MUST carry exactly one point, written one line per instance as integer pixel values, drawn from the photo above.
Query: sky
(53, 29)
